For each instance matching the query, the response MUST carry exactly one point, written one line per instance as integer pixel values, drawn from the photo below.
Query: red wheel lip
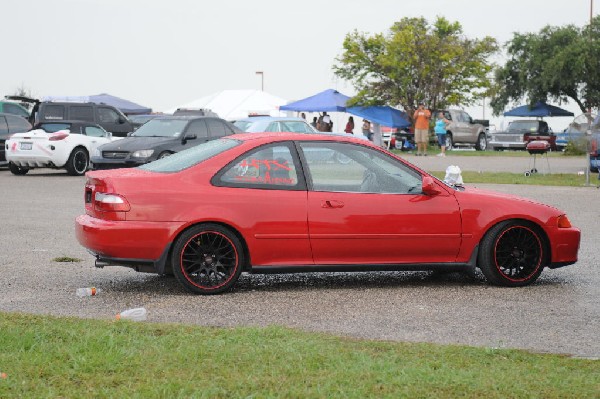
(237, 263)
(539, 263)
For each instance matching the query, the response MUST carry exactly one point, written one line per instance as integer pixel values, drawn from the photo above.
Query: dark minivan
(107, 116)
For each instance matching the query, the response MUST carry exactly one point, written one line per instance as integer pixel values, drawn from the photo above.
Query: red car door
(365, 207)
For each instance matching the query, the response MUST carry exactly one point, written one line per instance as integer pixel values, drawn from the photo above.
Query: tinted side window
(17, 124)
(94, 131)
(107, 115)
(197, 127)
(273, 127)
(216, 128)
(54, 111)
(15, 109)
(3, 125)
(81, 112)
(266, 167)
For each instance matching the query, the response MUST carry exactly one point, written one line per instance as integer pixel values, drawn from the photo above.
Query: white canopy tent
(236, 104)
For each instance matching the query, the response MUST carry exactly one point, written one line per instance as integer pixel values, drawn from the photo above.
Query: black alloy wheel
(207, 259)
(17, 170)
(78, 162)
(512, 254)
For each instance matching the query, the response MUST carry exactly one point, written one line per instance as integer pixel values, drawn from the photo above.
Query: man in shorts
(421, 118)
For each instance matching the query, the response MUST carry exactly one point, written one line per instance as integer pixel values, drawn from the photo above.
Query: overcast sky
(164, 53)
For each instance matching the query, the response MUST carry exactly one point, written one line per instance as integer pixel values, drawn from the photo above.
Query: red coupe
(265, 203)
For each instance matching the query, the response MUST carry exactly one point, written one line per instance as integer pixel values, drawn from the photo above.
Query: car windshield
(242, 125)
(161, 128)
(190, 157)
(519, 126)
(54, 127)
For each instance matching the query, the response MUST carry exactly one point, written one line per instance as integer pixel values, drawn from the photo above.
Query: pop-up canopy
(539, 110)
(326, 101)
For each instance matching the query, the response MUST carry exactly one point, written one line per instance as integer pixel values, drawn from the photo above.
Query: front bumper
(515, 145)
(565, 246)
(99, 163)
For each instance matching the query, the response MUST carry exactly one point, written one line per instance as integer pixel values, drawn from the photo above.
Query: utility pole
(262, 80)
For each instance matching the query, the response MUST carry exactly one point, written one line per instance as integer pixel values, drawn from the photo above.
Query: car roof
(185, 117)
(284, 136)
(270, 118)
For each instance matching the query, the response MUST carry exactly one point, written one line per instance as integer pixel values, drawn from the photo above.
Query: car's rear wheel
(207, 259)
(512, 254)
(481, 144)
(78, 162)
(17, 170)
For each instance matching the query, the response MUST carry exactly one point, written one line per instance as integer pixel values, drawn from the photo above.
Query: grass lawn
(66, 357)
(536, 179)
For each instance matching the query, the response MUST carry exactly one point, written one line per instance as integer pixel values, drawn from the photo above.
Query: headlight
(142, 153)
(97, 153)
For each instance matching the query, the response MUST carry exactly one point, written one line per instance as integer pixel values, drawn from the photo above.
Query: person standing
(421, 118)
(440, 131)
(366, 129)
(350, 126)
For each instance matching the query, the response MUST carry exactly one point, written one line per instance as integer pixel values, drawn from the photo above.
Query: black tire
(449, 141)
(164, 154)
(17, 170)
(481, 144)
(512, 254)
(78, 162)
(207, 259)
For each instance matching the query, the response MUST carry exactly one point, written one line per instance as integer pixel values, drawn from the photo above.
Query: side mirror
(108, 135)
(122, 120)
(188, 137)
(429, 187)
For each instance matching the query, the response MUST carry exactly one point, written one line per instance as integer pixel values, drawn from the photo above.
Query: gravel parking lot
(559, 314)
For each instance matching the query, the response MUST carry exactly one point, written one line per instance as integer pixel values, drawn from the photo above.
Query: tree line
(435, 63)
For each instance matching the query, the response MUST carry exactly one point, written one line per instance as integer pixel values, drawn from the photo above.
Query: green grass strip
(66, 357)
(536, 179)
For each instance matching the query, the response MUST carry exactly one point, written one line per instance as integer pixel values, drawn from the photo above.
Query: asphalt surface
(560, 313)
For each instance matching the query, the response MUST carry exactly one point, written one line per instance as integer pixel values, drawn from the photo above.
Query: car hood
(508, 197)
(138, 143)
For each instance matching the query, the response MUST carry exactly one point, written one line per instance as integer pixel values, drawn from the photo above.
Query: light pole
(262, 80)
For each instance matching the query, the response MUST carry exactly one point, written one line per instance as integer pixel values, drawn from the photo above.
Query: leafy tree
(558, 63)
(416, 62)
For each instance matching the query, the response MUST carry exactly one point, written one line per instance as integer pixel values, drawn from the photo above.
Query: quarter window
(270, 167)
(217, 129)
(94, 131)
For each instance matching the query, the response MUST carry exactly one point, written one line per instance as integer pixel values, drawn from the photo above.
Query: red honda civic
(280, 203)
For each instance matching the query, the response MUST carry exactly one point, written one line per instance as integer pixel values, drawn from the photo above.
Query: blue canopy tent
(326, 101)
(539, 110)
(125, 106)
(384, 115)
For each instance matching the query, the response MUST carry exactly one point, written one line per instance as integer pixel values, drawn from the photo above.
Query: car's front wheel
(17, 170)
(78, 162)
(512, 254)
(207, 259)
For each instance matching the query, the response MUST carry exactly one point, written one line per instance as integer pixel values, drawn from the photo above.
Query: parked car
(520, 133)
(158, 138)
(194, 112)
(260, 203)
(9, 107)
(570, 136)
(464, 130)
(259, 124)
(9, 125)
(595, 151)
(56, 145)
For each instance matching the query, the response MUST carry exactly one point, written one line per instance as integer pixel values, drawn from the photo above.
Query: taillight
(110, 203)
(594, 147)
(563, 222)
(58, 136)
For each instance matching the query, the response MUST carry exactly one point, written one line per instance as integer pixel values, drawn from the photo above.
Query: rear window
(54, 127)
(190, 157)
(54, 112)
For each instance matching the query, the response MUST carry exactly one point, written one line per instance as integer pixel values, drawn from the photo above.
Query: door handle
(332, 204)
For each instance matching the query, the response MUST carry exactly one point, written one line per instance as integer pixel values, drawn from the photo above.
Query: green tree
(558, 63)
(415, 62)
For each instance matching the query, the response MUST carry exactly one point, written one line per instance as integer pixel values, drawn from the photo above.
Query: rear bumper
(135, 241)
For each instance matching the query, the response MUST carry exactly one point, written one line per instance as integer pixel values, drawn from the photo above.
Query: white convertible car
(57, 145)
